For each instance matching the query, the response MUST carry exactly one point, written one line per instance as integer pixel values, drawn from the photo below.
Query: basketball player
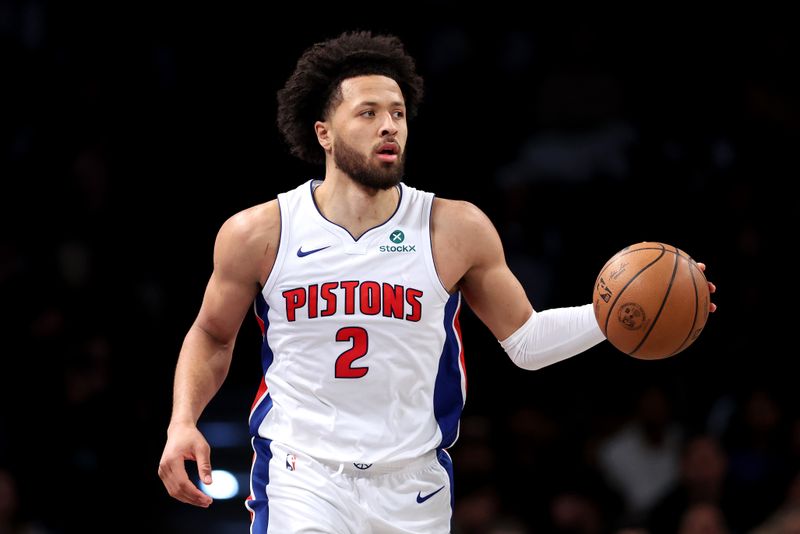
(357, 281)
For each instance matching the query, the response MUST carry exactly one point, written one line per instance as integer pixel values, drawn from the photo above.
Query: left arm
(468, 242)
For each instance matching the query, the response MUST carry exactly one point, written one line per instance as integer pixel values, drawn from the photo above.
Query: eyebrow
(394, 104)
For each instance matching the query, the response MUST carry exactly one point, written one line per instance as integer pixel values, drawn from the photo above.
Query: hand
(711, 288)
(185, 442)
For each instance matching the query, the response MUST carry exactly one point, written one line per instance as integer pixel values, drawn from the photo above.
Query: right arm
(244, 253)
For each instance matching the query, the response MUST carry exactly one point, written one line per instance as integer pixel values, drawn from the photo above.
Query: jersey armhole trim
(281, 255)
(430, 262)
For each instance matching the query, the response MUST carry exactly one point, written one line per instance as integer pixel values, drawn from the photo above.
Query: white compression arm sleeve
(553, 335)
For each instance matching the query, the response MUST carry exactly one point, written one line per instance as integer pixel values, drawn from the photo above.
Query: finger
(712, 307)
(173, 474)
(188, 493)
(711, 287)
(701, 266)
(203, 455)
(181, 488)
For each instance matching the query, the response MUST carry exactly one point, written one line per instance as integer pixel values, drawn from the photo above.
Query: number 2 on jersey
(344, 363)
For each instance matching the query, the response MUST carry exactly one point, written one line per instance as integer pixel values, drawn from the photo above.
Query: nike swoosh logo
(421, 499)
(301, 253)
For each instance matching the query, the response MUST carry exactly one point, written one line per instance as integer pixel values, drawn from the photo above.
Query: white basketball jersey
(362, 351)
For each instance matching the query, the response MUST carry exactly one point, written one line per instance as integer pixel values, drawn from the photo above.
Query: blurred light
(225, 433)
(224, 485)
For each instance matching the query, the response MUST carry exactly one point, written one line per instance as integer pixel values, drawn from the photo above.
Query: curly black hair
(315, 85)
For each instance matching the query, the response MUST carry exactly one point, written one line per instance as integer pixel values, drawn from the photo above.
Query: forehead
(373, 88)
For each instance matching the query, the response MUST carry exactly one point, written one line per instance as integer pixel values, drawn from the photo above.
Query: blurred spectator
(702, 480)
(506, 525)
(530, 454)
(786, 519)
(785, 522)
(576, 514)
(641, 459)
(759, 466)
(571, 157)
(478, 509)
(11, 519)
(702, 518)
(477, 501)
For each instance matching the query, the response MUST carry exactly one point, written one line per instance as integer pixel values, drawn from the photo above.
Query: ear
(323, 134)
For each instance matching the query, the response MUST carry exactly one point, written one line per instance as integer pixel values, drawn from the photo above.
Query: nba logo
(291, 461)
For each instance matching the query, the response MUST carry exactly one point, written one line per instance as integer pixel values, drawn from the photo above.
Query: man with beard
(357, 282)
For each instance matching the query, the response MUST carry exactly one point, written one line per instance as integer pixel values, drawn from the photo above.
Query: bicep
(497, 298)
(239, 255)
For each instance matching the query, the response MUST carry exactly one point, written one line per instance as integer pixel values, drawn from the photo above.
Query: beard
(374, 175)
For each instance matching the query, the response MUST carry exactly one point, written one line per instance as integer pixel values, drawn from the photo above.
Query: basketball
(651, 300)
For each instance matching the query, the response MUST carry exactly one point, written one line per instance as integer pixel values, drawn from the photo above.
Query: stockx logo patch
(397, 238)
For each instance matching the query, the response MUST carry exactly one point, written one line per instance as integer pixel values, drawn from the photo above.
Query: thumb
(204, 465)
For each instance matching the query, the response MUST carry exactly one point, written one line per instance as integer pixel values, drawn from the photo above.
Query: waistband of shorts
(380, 468)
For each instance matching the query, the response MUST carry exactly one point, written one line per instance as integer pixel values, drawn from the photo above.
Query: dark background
(130, 132)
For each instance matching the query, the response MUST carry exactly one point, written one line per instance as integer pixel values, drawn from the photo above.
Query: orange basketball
(651, 300)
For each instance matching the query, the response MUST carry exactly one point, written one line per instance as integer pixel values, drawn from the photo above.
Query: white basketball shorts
(291, 492)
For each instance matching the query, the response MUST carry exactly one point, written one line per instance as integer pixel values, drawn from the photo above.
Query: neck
(353, 206)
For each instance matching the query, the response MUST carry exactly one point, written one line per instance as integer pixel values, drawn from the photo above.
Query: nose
(388, 126)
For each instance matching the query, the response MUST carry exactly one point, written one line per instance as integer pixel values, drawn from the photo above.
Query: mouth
(388, 152)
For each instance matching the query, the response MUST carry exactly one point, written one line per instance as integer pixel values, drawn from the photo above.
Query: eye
(368, 113)
(399, 114)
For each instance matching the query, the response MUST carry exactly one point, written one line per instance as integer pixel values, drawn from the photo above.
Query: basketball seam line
(625, 252)
(661, 308)
(696, 309)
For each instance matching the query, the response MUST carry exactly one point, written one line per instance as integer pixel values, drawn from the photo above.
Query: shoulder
(461, 220)
(249, 239)
(257, 222)
(463, 238)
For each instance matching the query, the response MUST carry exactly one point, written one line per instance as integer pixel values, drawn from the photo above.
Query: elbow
(529, 364)
(212, 337)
